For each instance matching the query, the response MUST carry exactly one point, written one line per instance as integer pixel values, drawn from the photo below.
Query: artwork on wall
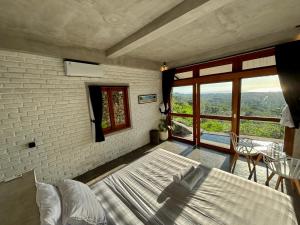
(147, 98)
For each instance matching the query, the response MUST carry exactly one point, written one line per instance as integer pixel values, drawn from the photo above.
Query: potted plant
(163, 130)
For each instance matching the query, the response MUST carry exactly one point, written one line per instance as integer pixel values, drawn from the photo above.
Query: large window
(115, 109)
(262, 96)
(216, 99)
(241, 94)
(215, 113)
(261, 104)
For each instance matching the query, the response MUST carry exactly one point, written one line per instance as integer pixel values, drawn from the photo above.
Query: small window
(261, 62)
(216, 70)
(115, 109)
(184, 75)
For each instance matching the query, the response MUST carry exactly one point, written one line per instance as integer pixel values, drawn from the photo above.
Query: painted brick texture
(37, 101)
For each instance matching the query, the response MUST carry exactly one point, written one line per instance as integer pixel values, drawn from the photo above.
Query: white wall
(38, 102)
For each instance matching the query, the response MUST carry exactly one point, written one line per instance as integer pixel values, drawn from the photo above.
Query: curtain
(167, 83)
(96, 111)
(288, 67)
(286, 118)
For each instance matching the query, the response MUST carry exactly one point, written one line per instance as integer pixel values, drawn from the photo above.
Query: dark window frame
(113, 126)
(235, 76)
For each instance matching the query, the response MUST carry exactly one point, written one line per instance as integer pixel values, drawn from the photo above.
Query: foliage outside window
(182, 104)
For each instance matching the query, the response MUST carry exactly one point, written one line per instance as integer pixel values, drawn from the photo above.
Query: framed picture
(147, 98)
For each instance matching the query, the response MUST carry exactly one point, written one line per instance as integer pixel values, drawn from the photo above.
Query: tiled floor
(207, 157)
(211, 158)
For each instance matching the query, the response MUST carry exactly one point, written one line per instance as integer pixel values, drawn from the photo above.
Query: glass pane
(182, 127)
(182, 100)
(261, 62)
(262, 130)
(106, 118)
(262, 133)
(262, 96)
(184, 75)
(119, 109)
(215, 132)
(216, 69)
(216, 98)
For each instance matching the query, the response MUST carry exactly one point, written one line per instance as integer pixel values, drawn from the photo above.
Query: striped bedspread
(144, 193)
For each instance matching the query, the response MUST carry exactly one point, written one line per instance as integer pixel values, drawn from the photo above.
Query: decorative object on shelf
(147, 98)
(163, 67)
(163, 130)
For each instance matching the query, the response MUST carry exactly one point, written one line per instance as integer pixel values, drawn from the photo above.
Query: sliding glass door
(255, 114)
(215, 118)
(239, 94)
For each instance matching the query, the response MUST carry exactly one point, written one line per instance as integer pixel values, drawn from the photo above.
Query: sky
(257, 84)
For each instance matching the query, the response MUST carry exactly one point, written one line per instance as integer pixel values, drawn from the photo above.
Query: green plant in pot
(163, 130)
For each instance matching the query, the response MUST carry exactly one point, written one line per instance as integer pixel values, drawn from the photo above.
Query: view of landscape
(254, 102)
(118, 109)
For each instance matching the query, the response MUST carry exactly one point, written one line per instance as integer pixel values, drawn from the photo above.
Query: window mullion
(111, 108)
(126, 106)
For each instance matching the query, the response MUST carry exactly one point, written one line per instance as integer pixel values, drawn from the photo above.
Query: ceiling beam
(182, 14)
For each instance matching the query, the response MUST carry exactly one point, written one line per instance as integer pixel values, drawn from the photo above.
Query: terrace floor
(207, 157)
(223, 139)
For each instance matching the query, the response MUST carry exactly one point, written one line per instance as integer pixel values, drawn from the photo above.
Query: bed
(144, 193)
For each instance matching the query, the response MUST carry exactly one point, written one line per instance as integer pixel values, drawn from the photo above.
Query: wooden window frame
(235, 77)
(114, 127)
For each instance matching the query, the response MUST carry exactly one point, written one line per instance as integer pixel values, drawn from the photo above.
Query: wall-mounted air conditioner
(82, 69)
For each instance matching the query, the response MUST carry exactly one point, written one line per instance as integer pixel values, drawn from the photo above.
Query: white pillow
(48, 201)
(80, 205)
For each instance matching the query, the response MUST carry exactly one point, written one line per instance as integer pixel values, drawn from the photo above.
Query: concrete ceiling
(95, 24)
(241, 25)
(142, 31)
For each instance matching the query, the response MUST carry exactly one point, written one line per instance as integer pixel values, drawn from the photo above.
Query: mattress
(144, 193)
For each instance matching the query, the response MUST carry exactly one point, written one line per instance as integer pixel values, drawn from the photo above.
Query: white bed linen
(48, 201)
(144, 193)
(79, 204)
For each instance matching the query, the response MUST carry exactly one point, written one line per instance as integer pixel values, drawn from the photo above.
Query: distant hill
(183, 98)
(264, 104)
(252, 103)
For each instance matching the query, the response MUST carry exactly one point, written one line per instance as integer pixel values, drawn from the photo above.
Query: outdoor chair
(287, 168)
(243, 147)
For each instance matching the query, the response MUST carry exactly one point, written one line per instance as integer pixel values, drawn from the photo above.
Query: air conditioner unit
(82, 69)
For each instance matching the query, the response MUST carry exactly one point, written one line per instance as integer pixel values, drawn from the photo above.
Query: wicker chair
(244, 147)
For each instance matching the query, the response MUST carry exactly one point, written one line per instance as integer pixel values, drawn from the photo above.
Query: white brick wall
(38, 102)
